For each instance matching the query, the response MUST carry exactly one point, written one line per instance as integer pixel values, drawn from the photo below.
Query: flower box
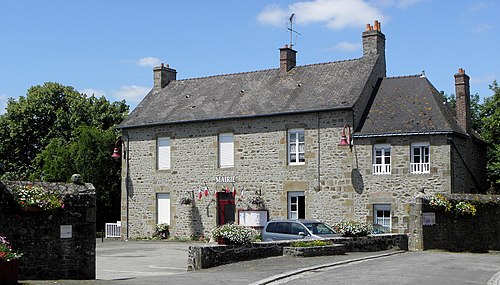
(9, 271)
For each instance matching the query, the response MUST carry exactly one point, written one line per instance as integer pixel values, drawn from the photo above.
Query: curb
(495, 279)
(302, 270)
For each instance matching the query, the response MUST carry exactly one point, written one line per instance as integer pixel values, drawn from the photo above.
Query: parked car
(379, 229)
(297, 229)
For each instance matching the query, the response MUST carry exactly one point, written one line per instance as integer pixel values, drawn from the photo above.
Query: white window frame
(296, 147)
(385, 221)
(383, 167)
(226, 150)
(293, 200)
(424, 157)
(163, 153)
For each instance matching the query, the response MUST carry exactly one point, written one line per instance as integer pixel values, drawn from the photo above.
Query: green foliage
(465, 208)
(475, 107)
(310, 243)
(6, 251)
(54, 132)
(46, 199)
(490, 132)
(439, 201)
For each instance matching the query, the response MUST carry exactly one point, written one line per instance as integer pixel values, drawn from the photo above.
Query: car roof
(295, 220)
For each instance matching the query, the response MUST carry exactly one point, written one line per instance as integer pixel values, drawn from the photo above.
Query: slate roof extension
(408, 105)
(316, 87)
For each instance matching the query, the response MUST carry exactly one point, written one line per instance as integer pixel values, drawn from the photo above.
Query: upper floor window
(420, 159)
(296, 142)
(382, 159)
(226, 150)
(163, 153)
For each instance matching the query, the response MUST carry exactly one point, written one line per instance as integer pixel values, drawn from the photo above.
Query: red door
(226, 208)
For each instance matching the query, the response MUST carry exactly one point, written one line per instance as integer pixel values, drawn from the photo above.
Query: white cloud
(401, 4)
(336, 14)
(131, 93)
(347, 46)
(478, 6)
(489, 78)
(149, 61)
(95, 92)
(482, 27)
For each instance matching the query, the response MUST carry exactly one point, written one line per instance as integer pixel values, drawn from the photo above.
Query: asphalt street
(160, 262)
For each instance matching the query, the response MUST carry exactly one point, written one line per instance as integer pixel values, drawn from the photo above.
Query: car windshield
(319, 229)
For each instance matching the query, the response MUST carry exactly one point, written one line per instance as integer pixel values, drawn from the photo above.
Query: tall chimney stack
(162, 75)
(374, 42)
(287, 58)
(462, 94)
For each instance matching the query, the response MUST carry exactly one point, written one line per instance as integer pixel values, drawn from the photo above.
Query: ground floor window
(296, 205)
(163, 208)
(382, 215)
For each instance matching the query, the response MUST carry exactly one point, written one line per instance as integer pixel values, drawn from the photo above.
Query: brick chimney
(374, 42)
(462, 94)
(162, 75)
(287, 58)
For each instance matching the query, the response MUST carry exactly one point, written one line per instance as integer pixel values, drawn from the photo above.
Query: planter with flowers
(231, 234)
(36, 198)
(162, 231)
(352, 228)
(9, 262)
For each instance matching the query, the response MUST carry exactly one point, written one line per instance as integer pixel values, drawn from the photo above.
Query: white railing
(418, 168)
(381, 169)
(113, 230)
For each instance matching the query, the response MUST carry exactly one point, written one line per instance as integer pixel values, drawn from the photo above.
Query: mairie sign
(225, 179)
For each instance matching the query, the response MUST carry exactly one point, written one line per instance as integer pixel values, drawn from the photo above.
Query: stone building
(329, 141)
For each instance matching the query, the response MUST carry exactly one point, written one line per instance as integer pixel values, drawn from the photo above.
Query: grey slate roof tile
(408, 104)
(305, 88)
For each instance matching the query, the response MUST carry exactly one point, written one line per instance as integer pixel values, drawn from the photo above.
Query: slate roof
(325, 86)
(407, 105)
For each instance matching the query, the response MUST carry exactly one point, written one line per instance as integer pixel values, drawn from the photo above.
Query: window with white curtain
(226, 150)
(163, 153)
(296, 146)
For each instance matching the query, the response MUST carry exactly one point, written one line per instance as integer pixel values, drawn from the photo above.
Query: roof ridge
(404, 76)
(266, 70)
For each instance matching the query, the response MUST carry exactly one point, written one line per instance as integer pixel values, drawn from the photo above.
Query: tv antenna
(292, 31)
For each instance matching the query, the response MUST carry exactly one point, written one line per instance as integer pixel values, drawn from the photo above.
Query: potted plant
(232, 234)
(9, 262)
(162, 231)
(37, 198)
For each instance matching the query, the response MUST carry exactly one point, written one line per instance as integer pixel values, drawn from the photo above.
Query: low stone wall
(335, 249)
(49, 254)
(211, 255)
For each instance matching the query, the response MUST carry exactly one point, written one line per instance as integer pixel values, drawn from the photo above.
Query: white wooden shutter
(163, 153)
(163, 210)
(226, 150)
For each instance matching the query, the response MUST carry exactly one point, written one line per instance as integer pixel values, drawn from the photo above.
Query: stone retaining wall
(206, 256)
(335, 249)
(47, 255)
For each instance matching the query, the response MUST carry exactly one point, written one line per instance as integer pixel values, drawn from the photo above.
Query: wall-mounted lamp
(118, 149)
(345, 140)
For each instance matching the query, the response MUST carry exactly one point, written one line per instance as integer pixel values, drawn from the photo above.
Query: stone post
(416, 235)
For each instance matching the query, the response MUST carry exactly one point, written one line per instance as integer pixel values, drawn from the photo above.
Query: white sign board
(252, 218)
(66, 231)
(429, 218)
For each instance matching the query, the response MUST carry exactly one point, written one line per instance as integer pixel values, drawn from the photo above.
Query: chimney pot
(162, 75)
(288, 58)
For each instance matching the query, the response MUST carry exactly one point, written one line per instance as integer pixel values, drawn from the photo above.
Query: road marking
(495, 279)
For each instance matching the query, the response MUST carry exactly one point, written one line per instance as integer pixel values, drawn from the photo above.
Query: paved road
(159, 262)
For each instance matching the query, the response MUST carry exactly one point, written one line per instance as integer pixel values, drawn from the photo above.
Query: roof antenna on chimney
(292, 31)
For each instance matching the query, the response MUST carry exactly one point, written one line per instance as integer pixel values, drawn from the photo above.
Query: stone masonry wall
(338, 183)
(38, 234)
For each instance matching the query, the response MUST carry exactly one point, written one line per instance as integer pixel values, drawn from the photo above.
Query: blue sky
(110, 47)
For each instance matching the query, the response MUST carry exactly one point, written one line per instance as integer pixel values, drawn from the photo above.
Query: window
(382, 215)
(163, 208)
(163, 153)
(296, 205)
(420, 162)
(226, 150)
(382, 159)
(296, 154)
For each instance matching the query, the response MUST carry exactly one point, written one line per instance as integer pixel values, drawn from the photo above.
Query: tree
(47, 112)
(55, 132)
(490, 132)
(475, 107)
